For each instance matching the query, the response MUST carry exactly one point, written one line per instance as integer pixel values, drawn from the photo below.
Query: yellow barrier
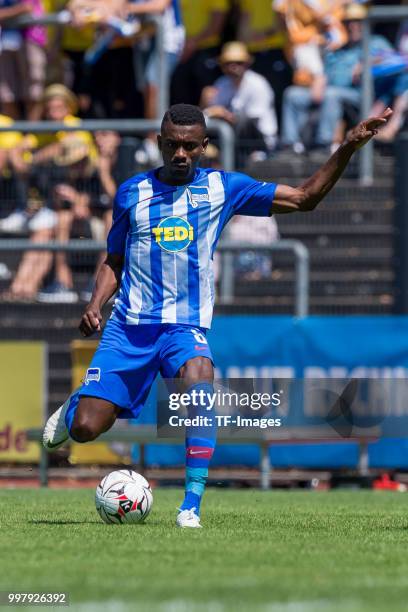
(23, 368)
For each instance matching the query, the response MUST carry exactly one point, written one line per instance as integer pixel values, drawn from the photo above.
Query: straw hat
(234, 52)
(354, 12)
(60, 91)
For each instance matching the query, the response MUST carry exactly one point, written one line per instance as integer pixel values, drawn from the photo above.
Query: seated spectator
(392, 86)
(47, 154)
(204, 21)
(9, 141)
(89, 201)
(22, 60)
(250, 265)
(343, 69)
(243, 98)
(263, 30)
(253, 265)
(82, 198)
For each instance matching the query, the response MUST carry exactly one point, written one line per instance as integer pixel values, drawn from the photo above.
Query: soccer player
(166, 224)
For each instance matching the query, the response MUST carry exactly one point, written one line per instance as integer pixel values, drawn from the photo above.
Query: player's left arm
(308, 195)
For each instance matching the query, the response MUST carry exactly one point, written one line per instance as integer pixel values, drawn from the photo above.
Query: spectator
(243, 98)
(45, 156)
(253, 265)
(22, 60)
(90, 201)
(8, 142)
(343, 86)
(263, 30)
(250, 265)
(67, 48)
(204, 21)
(147, 58)
(34, 265)
(107, 69)
(82, 200)
(392, 87)
(311, 25)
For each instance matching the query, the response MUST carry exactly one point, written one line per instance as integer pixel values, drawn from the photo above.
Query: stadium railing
(302, 265)
(223, 131)
(147, 434)
(226, 249)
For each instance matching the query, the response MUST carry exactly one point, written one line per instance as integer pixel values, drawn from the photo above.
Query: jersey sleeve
(246, 196)
(120, 221)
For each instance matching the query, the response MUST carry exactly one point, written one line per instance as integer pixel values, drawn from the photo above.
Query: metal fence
(84, 257)
(302, 265)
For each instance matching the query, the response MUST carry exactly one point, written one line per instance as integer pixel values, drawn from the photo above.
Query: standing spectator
(67, 49)
(107, 69)
(22, 60)
(204, 21)
(243, 98)
(147, 53)
(311, 25)
(263, 30)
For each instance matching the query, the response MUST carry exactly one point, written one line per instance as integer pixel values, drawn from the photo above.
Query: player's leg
(116, 385)
(197, 375)
(186, 357)
(81, 419)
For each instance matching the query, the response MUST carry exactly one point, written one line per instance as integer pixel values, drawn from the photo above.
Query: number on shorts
(199, 337)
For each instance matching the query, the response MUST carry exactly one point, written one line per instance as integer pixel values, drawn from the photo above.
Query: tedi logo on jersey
(173, 234)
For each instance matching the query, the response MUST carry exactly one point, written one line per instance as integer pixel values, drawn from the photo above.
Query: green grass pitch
(272, 551)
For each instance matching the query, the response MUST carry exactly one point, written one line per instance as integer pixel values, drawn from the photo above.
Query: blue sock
(200, 444)
(70, 413)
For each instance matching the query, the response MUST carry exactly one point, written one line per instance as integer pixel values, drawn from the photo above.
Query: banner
(268, 346)
(265, 346)
(23, 368)
(339, 347)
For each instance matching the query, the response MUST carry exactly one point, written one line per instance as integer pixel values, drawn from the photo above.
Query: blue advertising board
(266, 346)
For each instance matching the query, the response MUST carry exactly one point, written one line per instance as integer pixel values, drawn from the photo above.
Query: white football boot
(188, 518)
(55, 432)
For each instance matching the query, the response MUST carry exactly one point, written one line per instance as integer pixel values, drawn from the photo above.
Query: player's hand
(91, 320)
(365, 130)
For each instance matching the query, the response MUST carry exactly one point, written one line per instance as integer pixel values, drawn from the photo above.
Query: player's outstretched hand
(91, 321)
(365, 130)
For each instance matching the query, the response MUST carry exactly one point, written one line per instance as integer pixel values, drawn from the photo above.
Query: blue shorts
(129, 357)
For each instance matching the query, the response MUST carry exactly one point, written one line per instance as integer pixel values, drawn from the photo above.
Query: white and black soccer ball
(123, 496)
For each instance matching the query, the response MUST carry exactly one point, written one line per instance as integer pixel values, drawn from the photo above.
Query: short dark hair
(184, 114)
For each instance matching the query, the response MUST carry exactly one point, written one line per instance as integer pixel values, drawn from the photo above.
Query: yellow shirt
(72, 39)
(196, 17)
(78, 139)
(9, 140)
(262, 18)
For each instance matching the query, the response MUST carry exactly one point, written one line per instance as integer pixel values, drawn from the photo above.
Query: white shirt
(253, 98)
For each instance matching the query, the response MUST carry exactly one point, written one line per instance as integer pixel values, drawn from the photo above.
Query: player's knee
(199, 369)
(84, 429)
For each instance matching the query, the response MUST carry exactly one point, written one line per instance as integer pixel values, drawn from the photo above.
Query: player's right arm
(106, 284)
(109, 275)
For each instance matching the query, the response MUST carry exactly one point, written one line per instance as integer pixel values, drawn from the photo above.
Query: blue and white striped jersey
(168, 235)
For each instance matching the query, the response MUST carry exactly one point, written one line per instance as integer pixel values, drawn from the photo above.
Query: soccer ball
(123, 496)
